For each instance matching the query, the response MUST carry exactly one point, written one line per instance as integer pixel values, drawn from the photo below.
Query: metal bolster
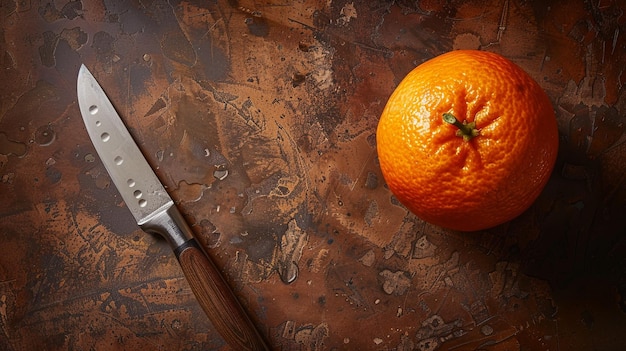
(168, 222)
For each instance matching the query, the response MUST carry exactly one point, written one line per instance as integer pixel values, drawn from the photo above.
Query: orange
(467, 140)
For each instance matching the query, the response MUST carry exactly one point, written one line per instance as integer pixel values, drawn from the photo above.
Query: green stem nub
(466, 130)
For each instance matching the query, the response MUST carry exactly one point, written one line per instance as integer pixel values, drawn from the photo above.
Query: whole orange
(467, 140)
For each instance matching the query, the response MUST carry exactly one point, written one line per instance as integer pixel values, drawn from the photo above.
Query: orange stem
(466, 130)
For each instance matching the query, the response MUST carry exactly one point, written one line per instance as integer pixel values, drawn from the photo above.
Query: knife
(155, 212)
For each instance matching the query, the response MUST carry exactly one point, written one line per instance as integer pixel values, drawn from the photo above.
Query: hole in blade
(131, 183)
(142, 203)
(105, 137)
(93, 109)
(137, 193)
(118, 160)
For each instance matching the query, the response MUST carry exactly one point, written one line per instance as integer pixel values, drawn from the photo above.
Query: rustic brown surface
(283, 99)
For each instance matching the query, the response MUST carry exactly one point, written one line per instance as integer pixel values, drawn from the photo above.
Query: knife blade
(155, 212)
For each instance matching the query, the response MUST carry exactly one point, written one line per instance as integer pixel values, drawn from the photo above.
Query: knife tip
(84, 74)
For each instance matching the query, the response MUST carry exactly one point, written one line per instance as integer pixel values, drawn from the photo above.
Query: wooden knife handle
(217, 299)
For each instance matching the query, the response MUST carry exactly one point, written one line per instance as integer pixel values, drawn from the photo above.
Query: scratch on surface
(128, 95)
(3, 315)
(297, 158)
(362, 170)
(615, 36)
(504, 15)
(443, 301)
(206, 34)
(291, 245)
(503, 18)
(558, 339)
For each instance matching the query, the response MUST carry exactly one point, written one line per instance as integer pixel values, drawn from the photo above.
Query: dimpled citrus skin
(474, 184)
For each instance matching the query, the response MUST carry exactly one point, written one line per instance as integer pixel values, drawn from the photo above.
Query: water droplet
(45, 135)
(159, 155)
(190, 192)
(486, 329)
(220, 174)
(90, 158)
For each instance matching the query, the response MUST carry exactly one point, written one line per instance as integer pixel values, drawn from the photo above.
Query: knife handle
(217, 300)
(207, 283)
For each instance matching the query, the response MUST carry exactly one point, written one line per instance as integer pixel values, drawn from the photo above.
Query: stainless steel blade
(140, 188)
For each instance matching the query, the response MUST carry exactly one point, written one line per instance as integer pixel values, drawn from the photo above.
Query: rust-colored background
(260, 118)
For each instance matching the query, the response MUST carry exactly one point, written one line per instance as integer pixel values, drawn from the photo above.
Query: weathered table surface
(260, 118)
